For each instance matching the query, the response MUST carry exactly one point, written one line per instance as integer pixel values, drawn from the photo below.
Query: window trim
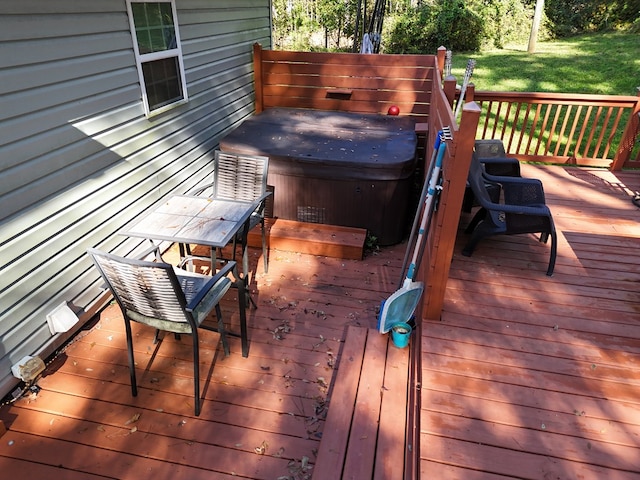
(161, 55)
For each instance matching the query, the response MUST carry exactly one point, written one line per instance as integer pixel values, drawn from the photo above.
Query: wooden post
(450, 87)
(257, 76)
(628, 140)
(447, 217)
(422, 131)
(442, 52)
(470, 93)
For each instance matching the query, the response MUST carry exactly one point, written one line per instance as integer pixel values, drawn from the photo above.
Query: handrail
(565, 128)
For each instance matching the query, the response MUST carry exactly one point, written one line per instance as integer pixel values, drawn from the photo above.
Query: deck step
(312, 238)
(365, 430)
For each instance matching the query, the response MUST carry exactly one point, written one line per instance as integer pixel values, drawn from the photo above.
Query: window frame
(143, 58)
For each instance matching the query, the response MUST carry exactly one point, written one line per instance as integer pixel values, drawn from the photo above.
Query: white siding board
(202, 30)
(200, 45)
(30, 26)
(28, 101)
(31, 125)
(78, 159)
(58, 7)
(39, 75)
(51, 50)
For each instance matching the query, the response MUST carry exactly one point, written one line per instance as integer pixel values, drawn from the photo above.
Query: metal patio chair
(241, 177)
(166, 298)
(523, 211)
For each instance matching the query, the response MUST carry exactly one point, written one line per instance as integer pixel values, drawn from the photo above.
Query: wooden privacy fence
(351, 82)
(575, 129)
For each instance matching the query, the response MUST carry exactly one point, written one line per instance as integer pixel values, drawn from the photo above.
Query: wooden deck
(529, 376)
(525, 376)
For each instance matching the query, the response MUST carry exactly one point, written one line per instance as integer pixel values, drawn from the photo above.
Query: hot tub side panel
(379, 206)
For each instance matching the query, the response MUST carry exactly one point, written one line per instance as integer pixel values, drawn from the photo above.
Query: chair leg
(264, 247)
(222, 331)
(478, 234)
(132, 364)
(554, 251)
(196, 370)
(477, 218)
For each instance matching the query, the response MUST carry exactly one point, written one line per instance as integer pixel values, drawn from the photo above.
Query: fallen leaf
(133, 419)
(262, 449)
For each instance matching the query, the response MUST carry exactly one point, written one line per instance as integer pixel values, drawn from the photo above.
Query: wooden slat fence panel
(344, 81)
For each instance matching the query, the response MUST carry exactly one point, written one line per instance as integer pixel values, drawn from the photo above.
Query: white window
(158, 52)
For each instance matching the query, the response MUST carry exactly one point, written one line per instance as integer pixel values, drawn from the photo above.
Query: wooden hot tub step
(312, 238)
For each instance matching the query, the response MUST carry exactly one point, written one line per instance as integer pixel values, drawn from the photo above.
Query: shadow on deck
(524, 376)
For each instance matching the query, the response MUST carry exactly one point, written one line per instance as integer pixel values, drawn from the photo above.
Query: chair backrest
(478, 184)
(239, 176)
(145, 290)
(489, 148)
(477, 181)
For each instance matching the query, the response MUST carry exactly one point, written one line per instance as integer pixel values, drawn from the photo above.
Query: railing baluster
(514, 125)
(592, 132)
(565, 120)
(585, 123)
(603, 129)
(612, 132)
(552, 131)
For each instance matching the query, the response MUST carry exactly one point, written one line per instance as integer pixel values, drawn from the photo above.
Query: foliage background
(421, 26)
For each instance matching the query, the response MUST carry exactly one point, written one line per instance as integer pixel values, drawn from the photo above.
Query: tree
(535, 26)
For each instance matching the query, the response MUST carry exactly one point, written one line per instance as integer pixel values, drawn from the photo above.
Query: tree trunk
(537, 16)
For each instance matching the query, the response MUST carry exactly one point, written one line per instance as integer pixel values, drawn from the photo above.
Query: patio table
(190, 219)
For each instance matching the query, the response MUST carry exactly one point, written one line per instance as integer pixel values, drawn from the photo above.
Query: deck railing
(575, 129)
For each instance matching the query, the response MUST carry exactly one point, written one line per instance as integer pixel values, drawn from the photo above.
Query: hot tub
(336, 168)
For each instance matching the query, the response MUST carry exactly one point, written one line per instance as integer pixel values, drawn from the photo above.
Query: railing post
(442, 52)
(628, 138)
(470, 93)
(257, 76)
(450, 87)
(442, 239)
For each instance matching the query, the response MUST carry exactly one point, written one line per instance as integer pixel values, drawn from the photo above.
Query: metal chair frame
(241, 177)
(166, 298)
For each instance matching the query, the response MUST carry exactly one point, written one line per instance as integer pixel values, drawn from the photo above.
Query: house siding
(78, 158)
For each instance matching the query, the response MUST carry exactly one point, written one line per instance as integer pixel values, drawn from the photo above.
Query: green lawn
(605, 63)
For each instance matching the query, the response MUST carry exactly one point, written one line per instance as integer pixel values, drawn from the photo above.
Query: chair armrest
(541, 210)
(155, 249)
(223, 272)
(263, 201)
(200, 189)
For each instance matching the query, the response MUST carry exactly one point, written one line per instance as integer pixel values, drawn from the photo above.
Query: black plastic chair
(523, 211)
(166, 298)
(491, 154)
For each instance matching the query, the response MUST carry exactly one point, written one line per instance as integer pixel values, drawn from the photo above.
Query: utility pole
(537, 16)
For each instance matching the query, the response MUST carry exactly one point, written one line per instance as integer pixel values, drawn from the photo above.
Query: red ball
(393, 110)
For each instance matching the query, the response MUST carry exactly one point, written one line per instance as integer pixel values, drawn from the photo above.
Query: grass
(604, 63)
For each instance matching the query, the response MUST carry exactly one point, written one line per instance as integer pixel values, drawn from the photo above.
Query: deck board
(530, 376)
(514, 350)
